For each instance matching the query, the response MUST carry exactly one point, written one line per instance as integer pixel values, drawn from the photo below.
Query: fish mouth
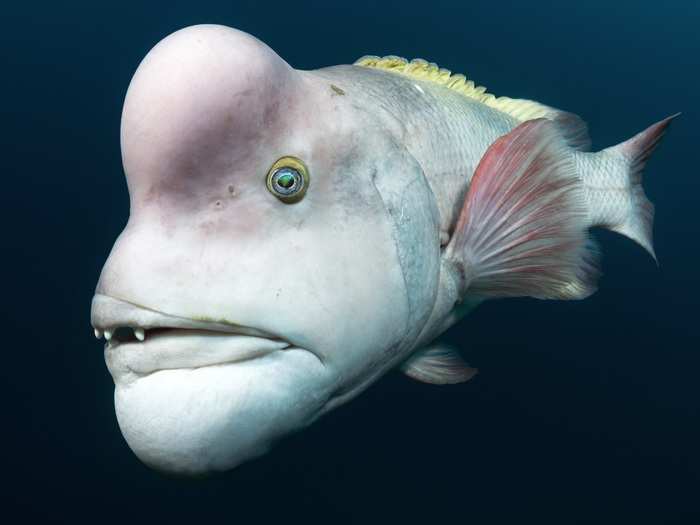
(141, 341)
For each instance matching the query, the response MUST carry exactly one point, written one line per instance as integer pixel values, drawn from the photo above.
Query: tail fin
(614, 190)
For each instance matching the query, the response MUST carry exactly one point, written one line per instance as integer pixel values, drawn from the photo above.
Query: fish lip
(111, 313)
(124, 357)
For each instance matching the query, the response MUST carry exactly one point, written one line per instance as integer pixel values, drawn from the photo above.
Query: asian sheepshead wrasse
(294, 235)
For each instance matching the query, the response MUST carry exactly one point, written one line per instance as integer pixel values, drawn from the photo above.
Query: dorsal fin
(421, 69)
(572, 127)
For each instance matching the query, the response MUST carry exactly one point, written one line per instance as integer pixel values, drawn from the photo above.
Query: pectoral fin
(523, 227)
(439, 364)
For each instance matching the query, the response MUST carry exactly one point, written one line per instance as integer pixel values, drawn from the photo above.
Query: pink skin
(207, 113)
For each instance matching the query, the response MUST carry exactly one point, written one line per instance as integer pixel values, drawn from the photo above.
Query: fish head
(237, 312)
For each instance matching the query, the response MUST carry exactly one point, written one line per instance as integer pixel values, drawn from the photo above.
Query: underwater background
(582, 412)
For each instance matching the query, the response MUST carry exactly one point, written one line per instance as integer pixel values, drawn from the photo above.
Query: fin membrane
(439, 365)
(523, 226)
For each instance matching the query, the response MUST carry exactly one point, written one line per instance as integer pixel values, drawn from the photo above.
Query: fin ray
(439, 364)
(523, 226)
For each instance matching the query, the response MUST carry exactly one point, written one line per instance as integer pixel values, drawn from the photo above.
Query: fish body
(294, 235)
(448, 132)
(445, 131)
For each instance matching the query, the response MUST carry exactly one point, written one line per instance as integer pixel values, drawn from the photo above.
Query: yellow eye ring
(288, 179)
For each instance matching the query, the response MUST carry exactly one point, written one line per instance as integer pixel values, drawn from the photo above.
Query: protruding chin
(210, 419)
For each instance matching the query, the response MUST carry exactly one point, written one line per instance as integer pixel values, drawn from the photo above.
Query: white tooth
(139, 333)
(108, 335)
(98, 333)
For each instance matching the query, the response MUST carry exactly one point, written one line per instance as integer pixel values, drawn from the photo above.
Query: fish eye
(288, 179)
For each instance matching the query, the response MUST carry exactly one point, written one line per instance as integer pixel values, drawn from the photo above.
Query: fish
(295, 235)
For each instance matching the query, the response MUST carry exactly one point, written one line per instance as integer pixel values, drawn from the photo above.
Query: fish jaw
(196, 421)
(194, 397)
(197, 416)
(141, 341)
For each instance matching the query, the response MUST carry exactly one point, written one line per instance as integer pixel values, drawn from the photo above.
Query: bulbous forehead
(203, 92)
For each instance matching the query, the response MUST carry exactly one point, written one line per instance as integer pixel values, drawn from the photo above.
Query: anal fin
(439, 364)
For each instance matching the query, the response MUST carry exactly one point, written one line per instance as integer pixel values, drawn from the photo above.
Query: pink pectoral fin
(522, 230)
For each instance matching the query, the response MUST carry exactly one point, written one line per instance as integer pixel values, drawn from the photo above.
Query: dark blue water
(583, 412)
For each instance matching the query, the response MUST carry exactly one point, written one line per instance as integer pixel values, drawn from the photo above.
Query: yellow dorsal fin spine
(418, 68)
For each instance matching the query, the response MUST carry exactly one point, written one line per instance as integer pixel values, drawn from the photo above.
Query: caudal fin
(615, 195)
